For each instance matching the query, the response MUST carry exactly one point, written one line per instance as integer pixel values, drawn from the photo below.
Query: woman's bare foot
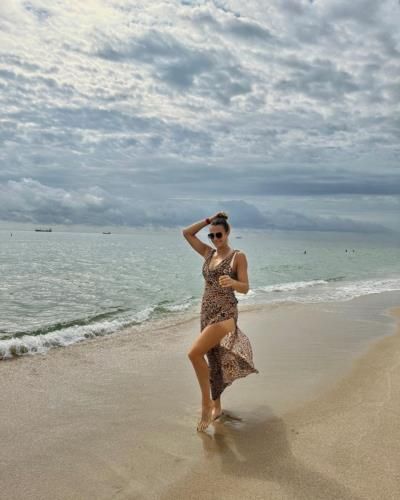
(206, 417)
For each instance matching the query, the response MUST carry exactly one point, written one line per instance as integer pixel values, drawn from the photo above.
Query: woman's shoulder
(241, 255)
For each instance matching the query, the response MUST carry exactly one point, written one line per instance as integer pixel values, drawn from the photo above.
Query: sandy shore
(115, 417)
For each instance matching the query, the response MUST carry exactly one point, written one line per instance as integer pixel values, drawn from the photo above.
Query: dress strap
(210, 252)
(233, 258)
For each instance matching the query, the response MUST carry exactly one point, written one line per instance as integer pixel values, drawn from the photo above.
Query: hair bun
(222, 215)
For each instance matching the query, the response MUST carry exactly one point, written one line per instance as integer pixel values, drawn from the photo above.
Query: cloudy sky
(284, 113)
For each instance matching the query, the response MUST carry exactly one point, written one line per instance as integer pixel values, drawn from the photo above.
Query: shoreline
(100, 419)
(82, 330)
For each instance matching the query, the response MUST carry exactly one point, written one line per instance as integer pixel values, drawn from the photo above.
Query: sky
(283, 113)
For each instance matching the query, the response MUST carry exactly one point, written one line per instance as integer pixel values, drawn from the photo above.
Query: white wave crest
(41, 343)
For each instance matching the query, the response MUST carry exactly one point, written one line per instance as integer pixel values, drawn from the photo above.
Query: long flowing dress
(232, 358)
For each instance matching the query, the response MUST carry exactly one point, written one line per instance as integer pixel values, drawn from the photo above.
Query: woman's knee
(197, 350)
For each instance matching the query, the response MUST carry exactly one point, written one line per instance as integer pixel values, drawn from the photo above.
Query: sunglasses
(216, 235)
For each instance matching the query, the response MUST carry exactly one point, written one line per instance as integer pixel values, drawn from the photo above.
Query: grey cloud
(218, 75)
(319, 79)
(290, 220)
(221, 86)
(24, 80)
(251, 181)
(146, 48)
(30, 201)
(114, 129)
(245, 214)
(19, 62)
(317, 31)
(204, 17)
(235, 26)
(268, 181)
(296, 7)
(360, 11)
(181, 73)
(248, 30)
(389, 44)
(39, 13)
(21, 88)
(172, 61)
(84, 117)
(373, 185)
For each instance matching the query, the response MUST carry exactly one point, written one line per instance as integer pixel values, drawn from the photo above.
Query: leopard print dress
(232, 358)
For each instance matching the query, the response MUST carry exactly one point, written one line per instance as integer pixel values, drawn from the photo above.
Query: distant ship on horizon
(106, 232)
(44, 230)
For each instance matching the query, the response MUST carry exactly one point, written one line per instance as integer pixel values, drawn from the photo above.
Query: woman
(227, 348)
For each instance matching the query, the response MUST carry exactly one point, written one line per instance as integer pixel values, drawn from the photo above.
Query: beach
(115, 417)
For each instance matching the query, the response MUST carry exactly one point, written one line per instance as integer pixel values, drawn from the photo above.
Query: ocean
(66, 286)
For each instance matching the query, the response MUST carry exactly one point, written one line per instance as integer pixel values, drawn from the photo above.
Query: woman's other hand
(226, 281)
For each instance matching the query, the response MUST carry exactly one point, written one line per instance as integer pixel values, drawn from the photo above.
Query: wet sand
(115, 417)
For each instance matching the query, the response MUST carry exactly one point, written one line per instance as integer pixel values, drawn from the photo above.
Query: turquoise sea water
(62, 287)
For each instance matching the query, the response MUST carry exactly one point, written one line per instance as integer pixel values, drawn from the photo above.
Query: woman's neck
(222, 251)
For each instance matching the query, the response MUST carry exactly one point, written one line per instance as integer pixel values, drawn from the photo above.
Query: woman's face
(220, 230)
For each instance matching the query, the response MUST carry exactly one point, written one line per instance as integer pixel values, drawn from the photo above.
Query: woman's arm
(189, 234)
(240, 285)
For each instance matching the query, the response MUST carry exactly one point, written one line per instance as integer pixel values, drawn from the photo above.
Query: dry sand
(115, 417)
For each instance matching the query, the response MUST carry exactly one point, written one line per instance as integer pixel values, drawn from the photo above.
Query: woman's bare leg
(217, 409)
(208, 338)
(201, 368)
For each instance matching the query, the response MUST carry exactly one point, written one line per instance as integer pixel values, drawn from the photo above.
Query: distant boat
(106, 232)
(44, 230)
(239, 237)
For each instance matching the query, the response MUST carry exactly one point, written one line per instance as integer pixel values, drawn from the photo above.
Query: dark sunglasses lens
(212, 235)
